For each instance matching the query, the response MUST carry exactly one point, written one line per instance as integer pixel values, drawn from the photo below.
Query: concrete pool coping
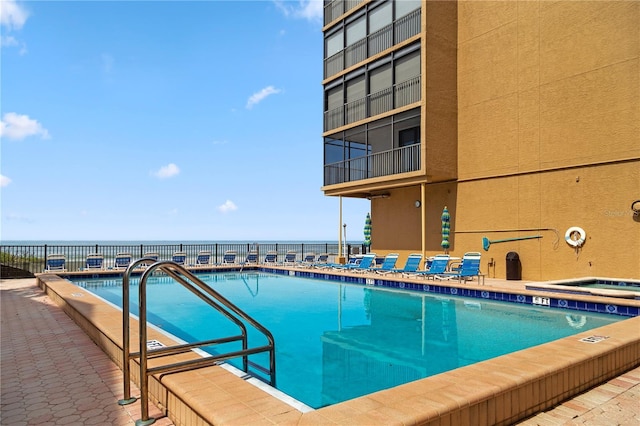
(502, 390)
(573, 287)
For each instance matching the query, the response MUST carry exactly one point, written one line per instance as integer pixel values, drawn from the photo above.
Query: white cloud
(19, 126)
(12, 15)
(11, 41)
(305, 9)
(18, 218)
(258, 97)
(4, 181)
(167, 171)
(227, 207)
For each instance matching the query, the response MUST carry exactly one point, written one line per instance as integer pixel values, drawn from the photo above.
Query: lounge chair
(56, 263)
(203, 258)
(271, 258)
(469, 268)
(179, 257)
(289, 259)
(438, 266)
(150, 255)
(321, 261)
(388, 264)
(410, 267)
(95, 261)
(229, 257)
(365, 264)
(122, 260)
(307, 261)
(251, 259)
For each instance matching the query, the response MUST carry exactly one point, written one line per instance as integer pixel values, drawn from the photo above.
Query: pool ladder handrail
(209, 296)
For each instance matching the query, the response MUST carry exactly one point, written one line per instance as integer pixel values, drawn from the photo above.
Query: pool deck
(53, 373)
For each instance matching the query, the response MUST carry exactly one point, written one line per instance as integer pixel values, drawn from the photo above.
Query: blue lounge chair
(271, 258)
(251, 259)
(469, 268)
(388, 264)
(365, 264)
(229, 257)
(411, 265)
(203, 258)
(179, 257)
(95, 261)
(322, 261)
(150, 255)
(122, 260)
(307, 261)
(56, 263)
(289, 259)
(438, 266)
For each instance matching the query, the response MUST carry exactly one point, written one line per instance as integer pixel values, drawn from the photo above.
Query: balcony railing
(386, 163)
(401, 94)
(394, 33)
(333, 10)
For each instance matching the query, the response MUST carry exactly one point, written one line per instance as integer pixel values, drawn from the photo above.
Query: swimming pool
(337, 341)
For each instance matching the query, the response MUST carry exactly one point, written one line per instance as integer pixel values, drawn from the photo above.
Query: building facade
(521, 117)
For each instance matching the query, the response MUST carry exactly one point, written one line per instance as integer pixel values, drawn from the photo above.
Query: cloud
(258, 97)
(19, 126)
(310, 10)
(4, 181)
(167, 171)
(12, 15)
(227, 207)
(11, 41)
(18, 218)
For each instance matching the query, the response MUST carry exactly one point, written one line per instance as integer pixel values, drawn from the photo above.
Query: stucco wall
(549, 132)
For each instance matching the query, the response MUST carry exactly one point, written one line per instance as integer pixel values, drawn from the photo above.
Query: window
(403, 7)
(407, 67)
(380, 17)
(334, 44)
(356, 31)
(334, 98)
(408, 137)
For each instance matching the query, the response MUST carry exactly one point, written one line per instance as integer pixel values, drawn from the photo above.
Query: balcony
(336, 8)
(385, 163)
(379, 41)
(397, 96)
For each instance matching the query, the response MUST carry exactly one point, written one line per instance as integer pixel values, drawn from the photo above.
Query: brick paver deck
(53, 374)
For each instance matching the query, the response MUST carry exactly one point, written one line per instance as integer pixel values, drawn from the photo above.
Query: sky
(165, 120)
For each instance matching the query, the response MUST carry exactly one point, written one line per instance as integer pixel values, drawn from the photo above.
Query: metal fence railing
(33, 258)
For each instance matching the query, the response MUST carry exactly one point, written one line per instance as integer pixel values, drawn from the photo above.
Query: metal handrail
(213, 299)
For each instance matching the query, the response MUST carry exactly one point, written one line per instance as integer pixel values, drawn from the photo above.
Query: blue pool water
(338, 341)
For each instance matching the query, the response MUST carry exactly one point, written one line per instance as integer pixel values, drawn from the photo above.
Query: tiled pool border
(428, 286)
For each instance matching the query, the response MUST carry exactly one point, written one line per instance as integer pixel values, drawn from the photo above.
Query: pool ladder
(209, 296)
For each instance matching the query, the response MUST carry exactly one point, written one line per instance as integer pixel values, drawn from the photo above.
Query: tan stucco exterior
(545, 136)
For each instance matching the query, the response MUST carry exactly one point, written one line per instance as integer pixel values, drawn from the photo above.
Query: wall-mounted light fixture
(417, 203)
(371, 197)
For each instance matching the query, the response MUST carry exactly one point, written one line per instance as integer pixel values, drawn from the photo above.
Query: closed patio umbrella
(367, 230)
(446, 227)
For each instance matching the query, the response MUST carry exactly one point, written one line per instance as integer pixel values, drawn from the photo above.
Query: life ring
(570, 236)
